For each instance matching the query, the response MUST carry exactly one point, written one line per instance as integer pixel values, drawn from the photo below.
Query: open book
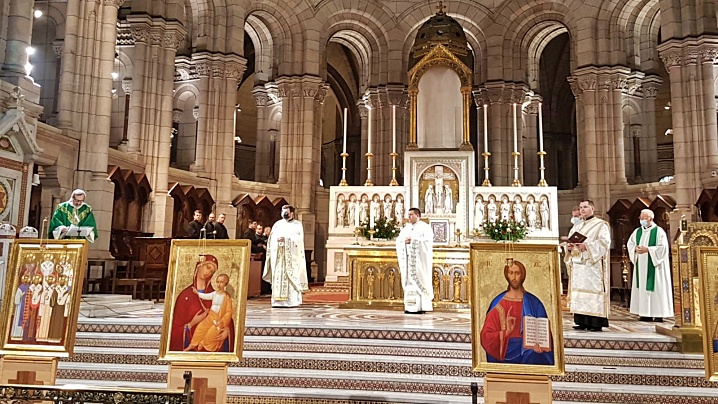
(536, 331)
(77, 231)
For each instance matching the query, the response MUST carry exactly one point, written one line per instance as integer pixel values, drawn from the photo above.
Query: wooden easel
(517, 389)
(28, 370)
(209, 380)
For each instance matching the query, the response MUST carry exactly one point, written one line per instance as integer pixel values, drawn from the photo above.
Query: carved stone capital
(709, 54)
(140, 33)
(127, 86)
(261, 98)
(176, 115)
(671, 58)
(58, 47)
(363, 110)
(115, 3)
(172, 40)
(156, 35)
(195, 113)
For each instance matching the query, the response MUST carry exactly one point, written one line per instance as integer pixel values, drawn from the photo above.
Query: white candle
(516, 132)
(486, 128)
(345, 130)
(393, 128)
(368, 130)
(540, 119)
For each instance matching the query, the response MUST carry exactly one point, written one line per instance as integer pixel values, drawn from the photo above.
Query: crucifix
(440, 7)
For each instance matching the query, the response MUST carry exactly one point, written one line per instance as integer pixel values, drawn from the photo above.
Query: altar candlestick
(345, 130)
(516, 132)
(393, 128)
(486, 128)
(368, 130)
(540, 124)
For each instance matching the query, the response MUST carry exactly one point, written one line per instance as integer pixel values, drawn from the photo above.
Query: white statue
(387, 207)
(479, 213)
(491, 209)
(531, 210)
(518, 210)
(376, 208)
(505, 209)
(448, 199)
(439, 206)
(399, 208)
(429, 199)
(352, 210)
(544, 213)
(364, 210)
(341, 211)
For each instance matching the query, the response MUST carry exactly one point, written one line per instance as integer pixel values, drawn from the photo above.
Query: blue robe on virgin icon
(515, 352)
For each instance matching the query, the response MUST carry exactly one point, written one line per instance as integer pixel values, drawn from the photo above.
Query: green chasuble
(66, 215)
(651, 269)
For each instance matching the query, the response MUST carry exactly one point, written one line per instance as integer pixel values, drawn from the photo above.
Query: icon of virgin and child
(516, 329)
(202, 319)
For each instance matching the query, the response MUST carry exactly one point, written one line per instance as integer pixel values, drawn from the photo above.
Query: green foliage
(503, 230)
(384, 229)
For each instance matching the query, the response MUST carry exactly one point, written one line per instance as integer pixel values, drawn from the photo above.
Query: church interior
(238, 107)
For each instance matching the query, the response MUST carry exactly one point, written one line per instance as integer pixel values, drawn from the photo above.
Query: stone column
(529, 153)
(649, 150)
(360, 148)
(695, 141)
(262, 159)
(302, 99)
(19, 34)
(58, 47)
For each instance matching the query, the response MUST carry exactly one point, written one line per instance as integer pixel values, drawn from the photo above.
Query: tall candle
(486, 128)
(516, 132)
(540, 119)
(368, 130)
(393, 128)
(345, 130)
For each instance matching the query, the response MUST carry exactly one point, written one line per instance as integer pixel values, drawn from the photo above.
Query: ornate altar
(375, 279)
(686, 286)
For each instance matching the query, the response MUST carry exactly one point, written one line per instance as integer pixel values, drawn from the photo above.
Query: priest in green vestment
(73, 216)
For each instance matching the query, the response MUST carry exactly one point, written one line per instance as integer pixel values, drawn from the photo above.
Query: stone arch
(286, 21)
(533, 24)
(535, 42)
(472, 21)
(365, 35)
(264, 47)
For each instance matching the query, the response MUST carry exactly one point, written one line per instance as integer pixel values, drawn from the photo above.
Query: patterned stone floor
(321, 353)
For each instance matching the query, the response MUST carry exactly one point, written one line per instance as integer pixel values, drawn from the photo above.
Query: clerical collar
(589, 218)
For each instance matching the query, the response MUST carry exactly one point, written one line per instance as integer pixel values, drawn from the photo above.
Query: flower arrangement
(383, 229)
(503, 230)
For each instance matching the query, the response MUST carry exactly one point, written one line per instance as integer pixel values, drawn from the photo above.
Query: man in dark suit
(220, 229)
(251, 232)
(194, 228)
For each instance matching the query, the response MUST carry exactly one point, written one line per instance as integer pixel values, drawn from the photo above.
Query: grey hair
(649, 213)
(77, 192)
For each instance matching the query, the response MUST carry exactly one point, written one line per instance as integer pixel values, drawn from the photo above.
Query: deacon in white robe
(652, 292)
(285, 267)
(414, 250)
(588, 267)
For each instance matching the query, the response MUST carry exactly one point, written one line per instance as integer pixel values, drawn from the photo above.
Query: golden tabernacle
(375, 279)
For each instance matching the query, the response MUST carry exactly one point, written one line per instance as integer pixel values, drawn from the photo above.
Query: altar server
(414, 250)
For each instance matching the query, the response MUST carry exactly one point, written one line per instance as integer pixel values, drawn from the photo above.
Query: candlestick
(393, 182)
(345, 130)
(368, 130)
(540, 127)
(393, 128)
(516, 182)
(486, 182)
(343, 182)
(486, 128)
(516, 132)
(542, 181)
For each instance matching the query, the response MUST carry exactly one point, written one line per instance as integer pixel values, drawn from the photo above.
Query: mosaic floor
(321, 353)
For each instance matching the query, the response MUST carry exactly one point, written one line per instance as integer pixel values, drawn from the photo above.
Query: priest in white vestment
(414, 250)
(587, 262)
(652, 292)
(285, 267)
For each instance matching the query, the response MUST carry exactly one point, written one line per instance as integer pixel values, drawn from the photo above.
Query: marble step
(102, 308)
(103, 298)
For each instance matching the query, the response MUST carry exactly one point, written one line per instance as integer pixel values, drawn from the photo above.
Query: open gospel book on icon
(75, 231)
(536, 331)
(576, 238)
